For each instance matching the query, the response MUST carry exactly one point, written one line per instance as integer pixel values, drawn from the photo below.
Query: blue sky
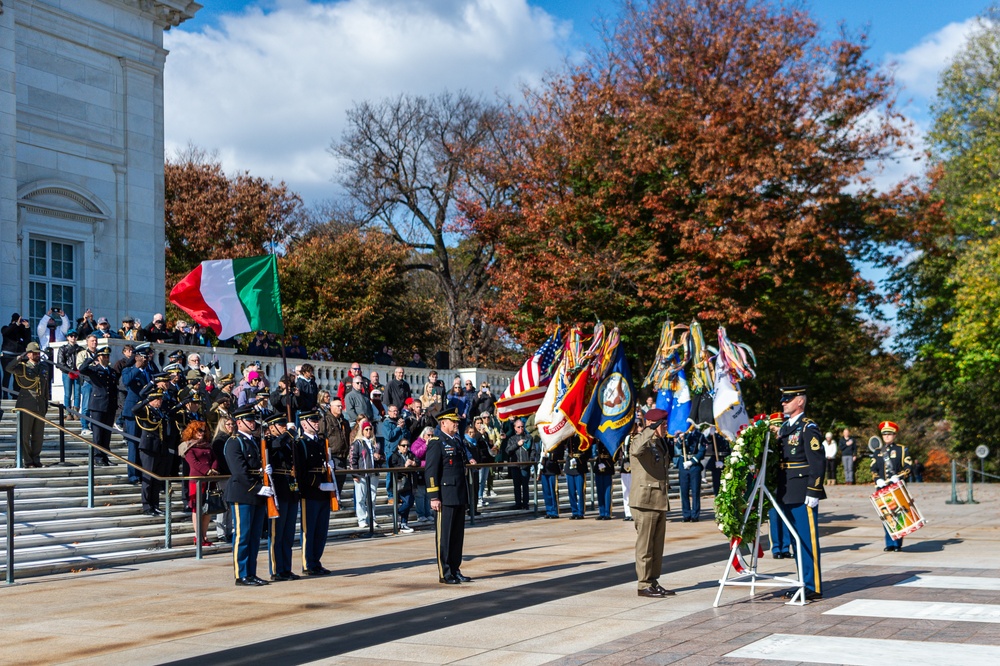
(267, 83)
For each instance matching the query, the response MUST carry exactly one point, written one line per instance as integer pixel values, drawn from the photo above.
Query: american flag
(527, 388)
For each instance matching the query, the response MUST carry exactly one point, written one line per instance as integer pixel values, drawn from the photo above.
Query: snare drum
(897, 511)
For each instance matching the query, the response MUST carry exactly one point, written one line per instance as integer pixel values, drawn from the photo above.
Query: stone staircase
(55, 531)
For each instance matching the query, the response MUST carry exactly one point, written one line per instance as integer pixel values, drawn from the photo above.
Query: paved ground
(559, 592)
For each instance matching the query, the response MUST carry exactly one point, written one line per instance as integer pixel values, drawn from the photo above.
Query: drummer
(891, 463)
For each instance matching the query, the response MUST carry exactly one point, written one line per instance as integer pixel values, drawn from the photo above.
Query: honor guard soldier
(891, 463)
(103, 400)
(151, 421)
(550, 463)
(280, 452)
(800, 484)
(32, 379)
(449, 494)
(311, 464)
(576, 476)
(604, 476)
(135, 378)
(247, 496)
(689, 451)
(717, 449)
(649, 460)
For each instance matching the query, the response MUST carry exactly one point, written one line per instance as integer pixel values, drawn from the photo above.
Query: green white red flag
(232, 296)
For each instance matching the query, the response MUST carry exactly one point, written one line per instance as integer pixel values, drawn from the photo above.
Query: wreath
(739, 475)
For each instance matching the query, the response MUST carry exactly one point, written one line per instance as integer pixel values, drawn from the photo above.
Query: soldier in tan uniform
(649, 459)
(31, 377)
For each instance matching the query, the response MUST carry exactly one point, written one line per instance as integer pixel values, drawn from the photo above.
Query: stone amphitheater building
(81, 154)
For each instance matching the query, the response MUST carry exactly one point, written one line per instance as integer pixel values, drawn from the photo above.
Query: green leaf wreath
(738, 477)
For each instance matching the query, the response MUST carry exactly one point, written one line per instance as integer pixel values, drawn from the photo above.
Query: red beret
(654, 416)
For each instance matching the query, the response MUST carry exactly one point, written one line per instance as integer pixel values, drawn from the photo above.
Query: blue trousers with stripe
(315, 528)
(550, 491)
(690, 481)
(576, 486)
(249, 519)
(781, 539)
(603, 483)
(804, 521)
(282, 536)
(890, 542)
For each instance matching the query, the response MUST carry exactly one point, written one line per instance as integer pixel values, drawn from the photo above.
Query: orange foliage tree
(709, 162)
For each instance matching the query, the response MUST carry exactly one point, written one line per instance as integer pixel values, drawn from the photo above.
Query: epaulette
(807, 421)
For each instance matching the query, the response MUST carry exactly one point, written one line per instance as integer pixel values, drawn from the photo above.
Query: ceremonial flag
(611, 411)
(527, 388)
(232, 296)
(575, 402)
(551, 423)
(680, 404)
(730, 414)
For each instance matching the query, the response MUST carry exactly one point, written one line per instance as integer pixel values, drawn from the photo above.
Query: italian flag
(232, 296)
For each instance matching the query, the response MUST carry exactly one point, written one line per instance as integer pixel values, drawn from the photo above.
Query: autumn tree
(211, 215)
(348, 288)
(710, 162)
(405, 163)
(950, 291)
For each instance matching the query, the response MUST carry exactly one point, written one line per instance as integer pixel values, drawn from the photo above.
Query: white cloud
(269, 90)
(919, 68)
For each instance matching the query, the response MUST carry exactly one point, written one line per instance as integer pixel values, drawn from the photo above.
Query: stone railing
(328, 373)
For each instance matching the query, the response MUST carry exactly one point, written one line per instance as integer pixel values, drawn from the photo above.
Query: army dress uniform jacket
(551, 463)
(246, 476)
(104, 380)
(310, 467)
(892, 461)
(649, 461)
(576, 458)
(445, 469)
(602, 463)
(689, 446)
(32, 383)
(152, 423)
(280, 456)
(803, 462)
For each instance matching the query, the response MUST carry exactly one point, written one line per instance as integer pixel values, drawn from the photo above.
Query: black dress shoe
(292, 576)
(247, 582)
(695, 520)
(890, 549)
(662, 590)
(260, 581)
(462, 578)
(810, 596)
(449, 580)
(317, 571)
(687, 520)
(278, 578)
(650, 593)
(628, 519)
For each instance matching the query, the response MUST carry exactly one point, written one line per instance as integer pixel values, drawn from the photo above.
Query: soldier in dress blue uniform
(800, 484)
(689, 451)
(576, 476)
(604, 474)
(311, 465)
(449, 494)
(247, 495)
(717, 449)
(151, 420)
(280, 451)
(103, 400)
(550, 467)
(891, 463)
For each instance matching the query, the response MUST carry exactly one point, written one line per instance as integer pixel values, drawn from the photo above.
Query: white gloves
(266, 491)
(267, 470)
(328, 487)
(812, 502)
(601, 467)
(290, 425)
(331, 465)
(894, 479)
(880, 483)
(687, 464)
(719, 464)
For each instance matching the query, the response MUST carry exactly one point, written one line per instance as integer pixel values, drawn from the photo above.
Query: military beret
(655, 417)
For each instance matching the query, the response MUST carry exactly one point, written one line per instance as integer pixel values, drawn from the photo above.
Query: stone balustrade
(328, 373)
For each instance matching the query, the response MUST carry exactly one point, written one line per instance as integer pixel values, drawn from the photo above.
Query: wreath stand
(751, 577)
